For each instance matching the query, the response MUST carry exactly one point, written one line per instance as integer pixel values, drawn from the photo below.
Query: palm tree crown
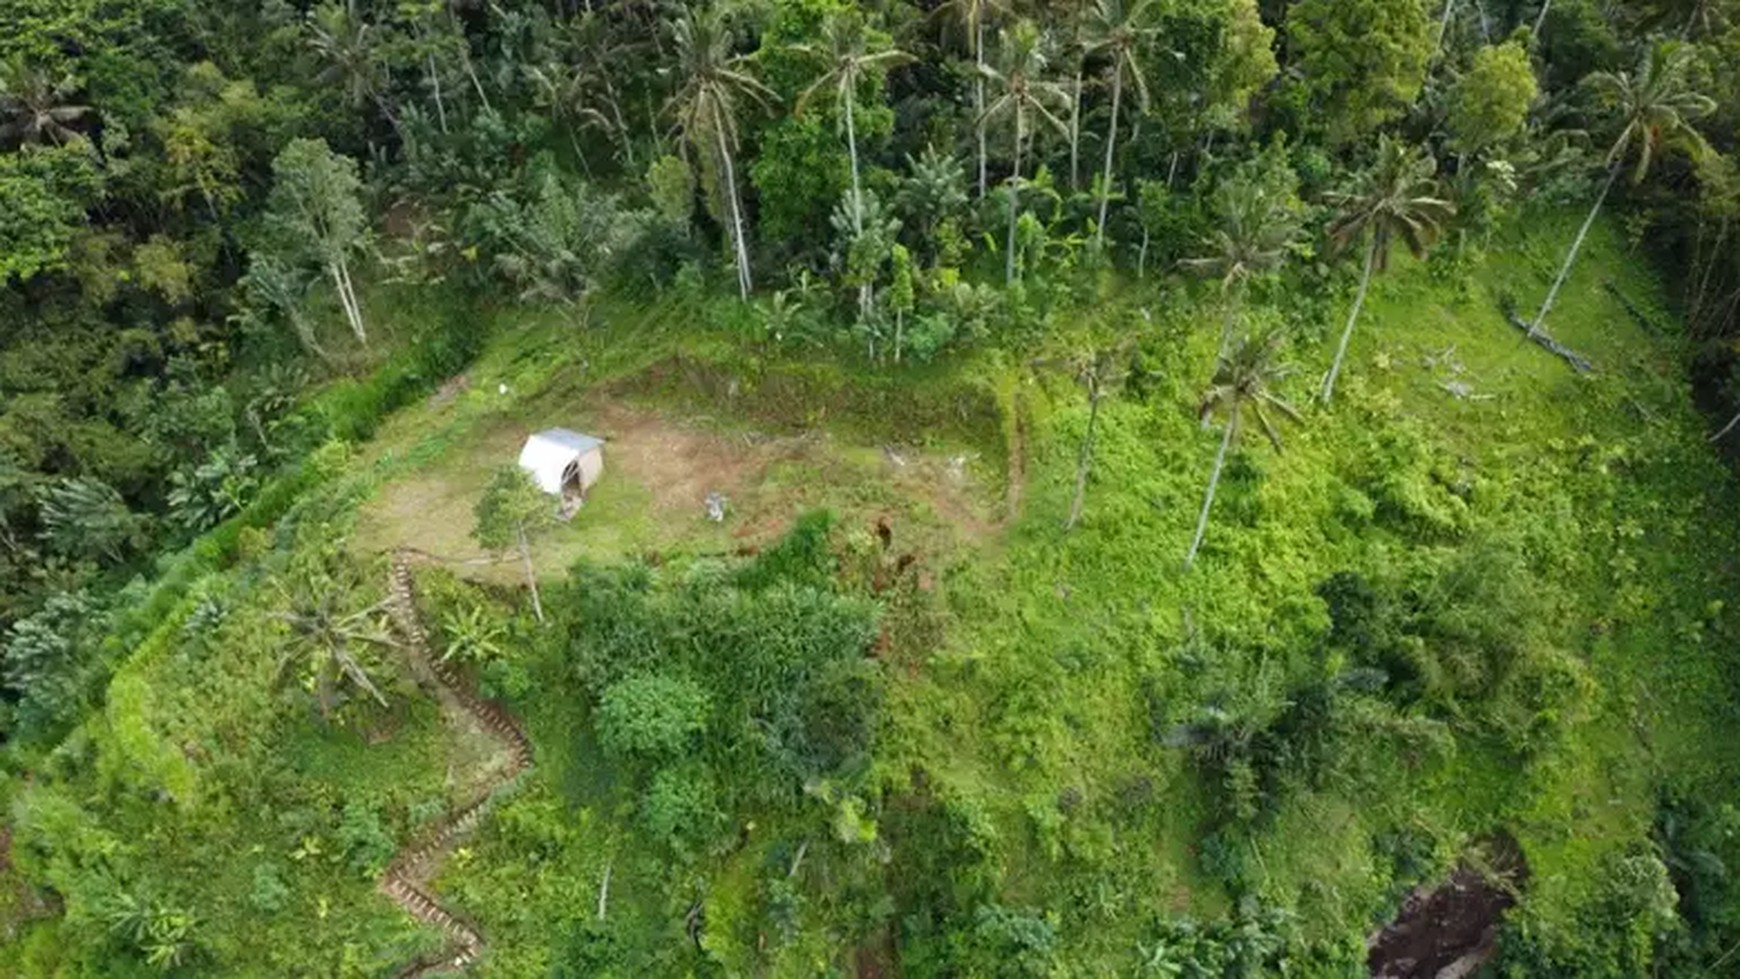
(715, 81)
(37, 106)
(848, 59)
(1243, 382)
(1654, 106)
(1256, 233)
(1257, 230)
(1396, 198)
(353, 59)
(973, 17)
(1021, 76)
(846, 52)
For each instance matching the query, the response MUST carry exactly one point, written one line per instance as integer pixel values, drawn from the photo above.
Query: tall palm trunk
(1352, 318)
(347, 299)
(622, 132)
(392, 116)
(1695, 308)
(1075, 134)
(305, 333)
(1541, 18)
(1111, 147)
(979, 101)
(744, 283)
(1235, 302)
(1014, 195)
(857, 188)
(355, 303)
(1726, 429)
(864, 293)
(531, 576)
(471, 72)
(1576, 246)
(1085, 458)
(435, 83)
(1232, 424)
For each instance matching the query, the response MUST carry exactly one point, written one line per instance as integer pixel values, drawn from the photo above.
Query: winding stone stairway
(405, 879)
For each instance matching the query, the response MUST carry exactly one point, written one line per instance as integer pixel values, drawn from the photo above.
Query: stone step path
(402, 880)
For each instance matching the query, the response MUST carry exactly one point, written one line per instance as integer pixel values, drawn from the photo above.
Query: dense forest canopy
(237, 237)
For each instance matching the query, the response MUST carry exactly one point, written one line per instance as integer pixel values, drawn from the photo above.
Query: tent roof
(568, 439)
(548, 454)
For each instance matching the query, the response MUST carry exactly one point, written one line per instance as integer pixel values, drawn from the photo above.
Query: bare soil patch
(1450, 931)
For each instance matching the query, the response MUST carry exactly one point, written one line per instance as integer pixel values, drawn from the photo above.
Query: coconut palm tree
(353, 57)
(37, 106)
(1654, 107)
(1392, 200)
(1256, 232)
(1241, 386)
(594, 51)
(845, 52)
(330, 640)
(973, 17)
(563, 89)
(1025, 94)
(715, 83)
(1101, 371)
(1074, 13)
(1117, 29)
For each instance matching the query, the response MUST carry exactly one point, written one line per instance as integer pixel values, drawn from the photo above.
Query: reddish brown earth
(1451, 930)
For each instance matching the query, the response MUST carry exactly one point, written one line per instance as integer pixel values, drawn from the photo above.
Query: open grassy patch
(701, 422)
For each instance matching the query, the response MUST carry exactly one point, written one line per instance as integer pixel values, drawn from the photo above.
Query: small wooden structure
(564, 464)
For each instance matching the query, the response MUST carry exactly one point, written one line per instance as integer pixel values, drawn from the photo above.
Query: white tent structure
(563, 463)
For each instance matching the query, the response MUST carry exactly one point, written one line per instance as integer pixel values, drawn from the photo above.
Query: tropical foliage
(996, 293)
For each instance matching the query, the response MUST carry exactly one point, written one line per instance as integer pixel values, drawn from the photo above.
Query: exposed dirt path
(406, 879)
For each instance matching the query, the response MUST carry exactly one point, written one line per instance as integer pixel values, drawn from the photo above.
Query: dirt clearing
(658, 472)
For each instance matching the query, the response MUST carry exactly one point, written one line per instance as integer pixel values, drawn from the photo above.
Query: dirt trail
(405, 880)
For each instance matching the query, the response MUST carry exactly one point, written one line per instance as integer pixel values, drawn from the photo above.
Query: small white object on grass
(716, 503)
(501, 389)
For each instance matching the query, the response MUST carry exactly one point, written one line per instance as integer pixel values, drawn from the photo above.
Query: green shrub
(270, 894)
(366, 842)
(680, 808)
(651, 716)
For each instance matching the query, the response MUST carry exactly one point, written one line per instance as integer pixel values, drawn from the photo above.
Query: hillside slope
(1481, 596)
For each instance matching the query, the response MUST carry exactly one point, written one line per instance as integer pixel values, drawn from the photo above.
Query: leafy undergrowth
(1480, 593)
(1547, 552)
